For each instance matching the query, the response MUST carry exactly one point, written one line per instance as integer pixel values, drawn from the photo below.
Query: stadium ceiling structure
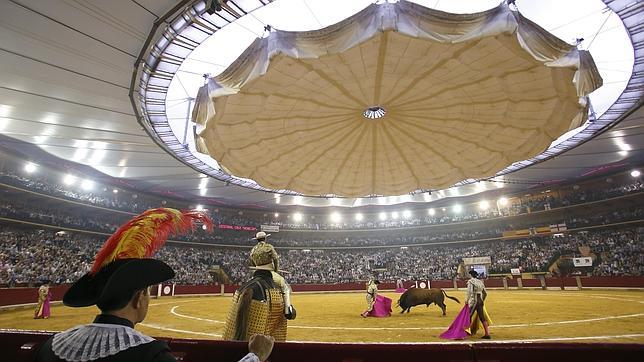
(80, 79)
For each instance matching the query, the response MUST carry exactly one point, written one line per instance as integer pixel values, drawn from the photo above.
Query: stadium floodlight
(199, 208)
(87, 185)
(458, 208)
(431, 212)
(623, 153)
(276, 215)
(503, 201)
(383, 216)
(335, 217)
(359, 217)
(635, 173)
(394, 215)
(116, 191)
(297, 217)
(406, 214)
(69, 179)
(30, 167)
(484, 205)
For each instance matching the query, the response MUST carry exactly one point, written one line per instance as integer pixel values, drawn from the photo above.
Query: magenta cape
(459, 326)
(44, 309)
(382, 307)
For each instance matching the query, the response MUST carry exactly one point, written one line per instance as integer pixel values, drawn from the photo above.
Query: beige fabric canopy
(394, 99)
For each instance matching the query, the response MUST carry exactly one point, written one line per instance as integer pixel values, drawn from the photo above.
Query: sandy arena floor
(574, 316)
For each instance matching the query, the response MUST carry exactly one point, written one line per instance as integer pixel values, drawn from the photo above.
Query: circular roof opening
(374, 112)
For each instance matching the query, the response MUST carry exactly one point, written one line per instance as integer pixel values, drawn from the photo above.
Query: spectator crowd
(28, 256)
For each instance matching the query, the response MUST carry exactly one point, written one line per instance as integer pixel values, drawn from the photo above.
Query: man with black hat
(118, 284)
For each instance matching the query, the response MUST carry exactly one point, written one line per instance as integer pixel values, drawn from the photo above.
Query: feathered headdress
(146, 233)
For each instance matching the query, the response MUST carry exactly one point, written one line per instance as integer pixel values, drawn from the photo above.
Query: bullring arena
(591, 316)
(262, 180)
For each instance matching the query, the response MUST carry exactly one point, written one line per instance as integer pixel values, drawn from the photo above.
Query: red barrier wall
(494, 283)
(12, 296)
(512, 283)
(529, 283)
(197, 289)
(623, 282)
(444, 284)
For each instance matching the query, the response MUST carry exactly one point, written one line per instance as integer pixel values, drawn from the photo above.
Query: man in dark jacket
(118, 285)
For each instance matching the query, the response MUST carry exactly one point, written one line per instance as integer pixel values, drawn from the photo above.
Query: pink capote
(459, 326)
(46, 308)
(382, 307)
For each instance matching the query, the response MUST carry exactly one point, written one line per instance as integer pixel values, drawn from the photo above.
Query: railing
(22, 346)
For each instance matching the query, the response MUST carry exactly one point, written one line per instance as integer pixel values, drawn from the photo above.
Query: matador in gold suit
(263, 304)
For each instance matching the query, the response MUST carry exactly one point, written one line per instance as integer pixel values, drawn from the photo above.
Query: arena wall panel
(614, 282)
(513, 283)
(494, 283)
(528, 283)
(444, 284)
(197, 289)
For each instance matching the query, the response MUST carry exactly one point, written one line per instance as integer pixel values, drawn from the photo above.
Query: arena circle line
(596, 319)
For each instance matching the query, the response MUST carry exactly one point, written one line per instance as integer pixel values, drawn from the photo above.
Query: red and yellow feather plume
(146, 233)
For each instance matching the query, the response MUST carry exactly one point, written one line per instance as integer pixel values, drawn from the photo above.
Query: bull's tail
(452, 298)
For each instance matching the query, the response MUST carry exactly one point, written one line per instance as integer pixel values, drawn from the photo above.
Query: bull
(417, 296)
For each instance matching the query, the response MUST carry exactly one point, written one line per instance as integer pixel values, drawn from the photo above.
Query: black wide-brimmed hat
(117, 281)
(474, 273)
(124, 264)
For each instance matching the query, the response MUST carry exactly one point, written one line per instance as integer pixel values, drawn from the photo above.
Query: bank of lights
(359, 217)
(382, 216)
(276, 215)
(335, 217)
(458, 208)
(30, 167)
(635, 173)
(69, 180)
(484, 205)
(87, 185)
(431, 212)
(406, 214)
(297, 217)
(199, 208)
(503, 201)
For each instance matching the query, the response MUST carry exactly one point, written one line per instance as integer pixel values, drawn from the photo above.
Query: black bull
(416, 296)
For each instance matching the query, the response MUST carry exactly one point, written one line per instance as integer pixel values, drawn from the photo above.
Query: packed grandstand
(602, 218)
